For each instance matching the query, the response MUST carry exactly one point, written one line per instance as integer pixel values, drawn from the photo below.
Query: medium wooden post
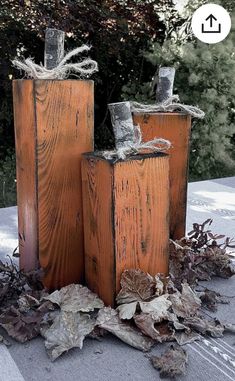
(175, 127)
(53, 127)
(126, 206)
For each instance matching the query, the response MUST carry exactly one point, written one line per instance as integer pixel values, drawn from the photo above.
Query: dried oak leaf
(185, 303)
(75, 298)
(68, 330)
(172, 363)
(203, 326)
(109, 320)
(158, 332)
(22, 327)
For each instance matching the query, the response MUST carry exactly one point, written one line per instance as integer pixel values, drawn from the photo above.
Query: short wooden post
(53, 127)
(175, 127)
(126, 205)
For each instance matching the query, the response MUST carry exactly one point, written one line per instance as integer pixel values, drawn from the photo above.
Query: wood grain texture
(97, 185)
(126, 207)
(63, 126)
(175, 127)
(25, 142)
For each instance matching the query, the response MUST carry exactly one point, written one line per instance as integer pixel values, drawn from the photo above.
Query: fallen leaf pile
(150, 309)
(200, 256)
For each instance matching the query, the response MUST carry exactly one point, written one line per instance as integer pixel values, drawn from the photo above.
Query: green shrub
(8, 180)
(205, 77)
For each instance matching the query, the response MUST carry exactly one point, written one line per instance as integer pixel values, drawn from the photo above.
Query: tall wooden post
(53, 127)
(126, 205)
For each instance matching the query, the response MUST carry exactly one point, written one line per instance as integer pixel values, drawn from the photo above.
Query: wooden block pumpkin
(175, 127)
(53, 127)
(126, 206)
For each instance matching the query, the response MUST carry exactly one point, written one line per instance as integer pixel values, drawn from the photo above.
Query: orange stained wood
(63, 130)
(126, 208)
(25, 143)
(175, 127)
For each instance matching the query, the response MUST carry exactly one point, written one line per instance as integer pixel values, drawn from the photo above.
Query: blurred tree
(118, 30)
(205, 77)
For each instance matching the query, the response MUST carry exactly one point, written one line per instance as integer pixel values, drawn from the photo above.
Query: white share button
(211, 23)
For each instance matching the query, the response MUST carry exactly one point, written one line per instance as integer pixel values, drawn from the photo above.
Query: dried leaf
(158, 332)
(185, 303)
(26, 302)
(183, 338)
(109, 320)
(67, 331)
(159, 285)
(4, 341)
(136, 286)
(22, 327)
(200, 256)
(210, 299)
(127, 311)
(158, 307)
(213, 328)
(172, 363)
(75, 298)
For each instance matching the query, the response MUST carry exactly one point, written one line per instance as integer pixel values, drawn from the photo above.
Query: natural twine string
(133, 148)
(84, 68)
(169, 105)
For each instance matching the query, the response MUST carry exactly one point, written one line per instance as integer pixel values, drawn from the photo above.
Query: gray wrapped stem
(165, 84)
(122, 123)
(54, 47)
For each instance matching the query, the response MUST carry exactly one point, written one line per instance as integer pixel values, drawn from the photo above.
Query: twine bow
(84, 68)
(136, 147)
(169, 105)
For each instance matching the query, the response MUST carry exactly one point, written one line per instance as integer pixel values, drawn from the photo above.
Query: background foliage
(130, 39)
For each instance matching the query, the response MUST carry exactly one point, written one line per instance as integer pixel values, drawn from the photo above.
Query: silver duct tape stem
(122, 123)
(165, 83)
(54, 47)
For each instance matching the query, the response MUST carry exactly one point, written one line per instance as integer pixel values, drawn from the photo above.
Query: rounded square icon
(211, 23)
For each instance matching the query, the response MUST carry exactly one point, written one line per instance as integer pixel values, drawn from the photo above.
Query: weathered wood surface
(61, 130)
(25, 143)
(165, 85)
(126, 223)
(54, 47)
(175, 127)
